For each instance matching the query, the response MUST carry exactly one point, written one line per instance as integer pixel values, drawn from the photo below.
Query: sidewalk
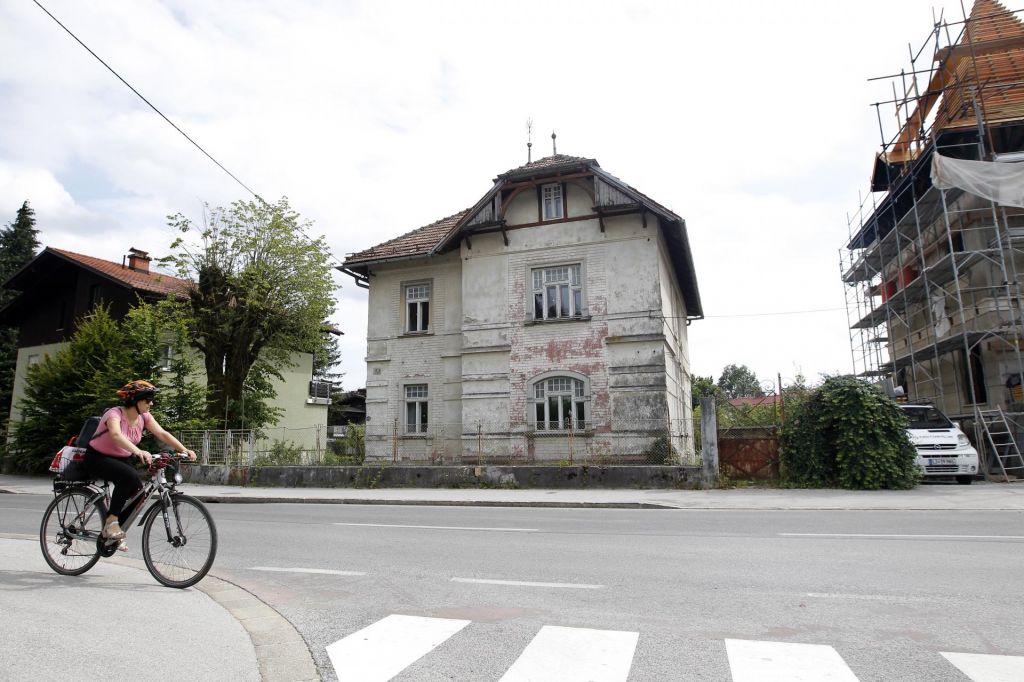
(981, 496)
(56, 627)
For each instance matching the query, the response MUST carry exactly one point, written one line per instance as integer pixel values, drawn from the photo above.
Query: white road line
(575, 655)
(395, 525)
(324, 571)
(756, 661)
(886, 535)
(380, 651)
(522, 583)
(988, 667)
(869, 597)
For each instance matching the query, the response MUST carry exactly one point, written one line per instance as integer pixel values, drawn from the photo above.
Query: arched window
(559, 402)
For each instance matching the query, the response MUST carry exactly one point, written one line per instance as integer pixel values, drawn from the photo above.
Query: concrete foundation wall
(371, 476)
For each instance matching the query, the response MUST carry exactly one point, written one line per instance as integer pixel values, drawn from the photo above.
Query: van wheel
(964, 480)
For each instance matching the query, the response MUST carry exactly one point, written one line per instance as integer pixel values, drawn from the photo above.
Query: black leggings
(120, 472)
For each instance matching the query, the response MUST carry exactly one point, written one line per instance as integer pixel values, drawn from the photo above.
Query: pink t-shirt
(105, 442)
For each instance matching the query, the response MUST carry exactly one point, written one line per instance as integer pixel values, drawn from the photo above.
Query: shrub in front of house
(848, 434)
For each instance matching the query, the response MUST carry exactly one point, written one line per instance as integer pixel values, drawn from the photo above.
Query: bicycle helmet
(134, 391)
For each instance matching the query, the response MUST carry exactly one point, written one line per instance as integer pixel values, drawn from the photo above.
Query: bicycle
(180, 556)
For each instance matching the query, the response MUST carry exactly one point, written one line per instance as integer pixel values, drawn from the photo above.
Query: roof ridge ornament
(554, 149)
(529, 140)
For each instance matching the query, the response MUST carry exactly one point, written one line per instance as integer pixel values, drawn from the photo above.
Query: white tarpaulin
(1003, 183)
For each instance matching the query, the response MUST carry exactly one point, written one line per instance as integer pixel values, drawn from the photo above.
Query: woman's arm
(160, 434)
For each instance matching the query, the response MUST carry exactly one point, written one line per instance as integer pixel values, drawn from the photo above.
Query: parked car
(943, 450)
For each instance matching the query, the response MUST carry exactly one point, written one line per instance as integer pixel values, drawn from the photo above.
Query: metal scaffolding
(931, 279)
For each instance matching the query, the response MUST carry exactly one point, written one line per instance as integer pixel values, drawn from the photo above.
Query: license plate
(934, 462)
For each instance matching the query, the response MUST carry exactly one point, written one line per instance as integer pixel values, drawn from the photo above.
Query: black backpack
(88, 432)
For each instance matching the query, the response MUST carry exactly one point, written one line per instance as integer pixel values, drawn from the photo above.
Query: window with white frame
(559, 403)
(557, 292)
(551, 198)
(416, 413)
(417, 307)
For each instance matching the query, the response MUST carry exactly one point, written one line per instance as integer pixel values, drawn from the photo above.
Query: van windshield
(925, 417)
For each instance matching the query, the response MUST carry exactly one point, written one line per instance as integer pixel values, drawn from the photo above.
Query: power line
(151, 106)
(169, 121)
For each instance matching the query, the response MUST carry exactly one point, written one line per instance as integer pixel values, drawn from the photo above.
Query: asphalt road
(888, 590)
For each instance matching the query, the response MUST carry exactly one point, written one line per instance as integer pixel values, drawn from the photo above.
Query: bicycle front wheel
(179, 542)
(68, 533)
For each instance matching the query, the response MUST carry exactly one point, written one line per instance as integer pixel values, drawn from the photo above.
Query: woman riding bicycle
(108, 455)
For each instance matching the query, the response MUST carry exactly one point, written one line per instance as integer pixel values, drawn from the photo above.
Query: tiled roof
(548, 164)
(153, 282)
(415, 243)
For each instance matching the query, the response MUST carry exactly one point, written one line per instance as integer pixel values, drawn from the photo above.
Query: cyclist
(108, 454)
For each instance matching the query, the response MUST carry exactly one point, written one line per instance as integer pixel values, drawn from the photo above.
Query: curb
(281, 652)
(216, 499)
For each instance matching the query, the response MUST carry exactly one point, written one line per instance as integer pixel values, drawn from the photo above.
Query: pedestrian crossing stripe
(988, 667)
(756, 661)
(575, 655)
(382, 650)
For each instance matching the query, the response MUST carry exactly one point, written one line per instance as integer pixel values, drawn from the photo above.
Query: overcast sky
(750, 119)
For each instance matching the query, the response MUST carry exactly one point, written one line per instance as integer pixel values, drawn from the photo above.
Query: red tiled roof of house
(153, 282)
(415, 243)
(754, 401)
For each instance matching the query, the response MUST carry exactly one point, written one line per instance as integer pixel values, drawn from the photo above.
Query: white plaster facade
(621, 351)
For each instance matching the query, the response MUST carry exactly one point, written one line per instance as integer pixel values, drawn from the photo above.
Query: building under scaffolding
(932, 266)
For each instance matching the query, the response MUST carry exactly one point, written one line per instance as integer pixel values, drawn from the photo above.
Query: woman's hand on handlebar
(188, 454)
(145, 456)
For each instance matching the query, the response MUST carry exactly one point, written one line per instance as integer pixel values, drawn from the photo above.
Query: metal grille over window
(416, 415)
(552, 202)
(417, 303)
(560, 404)
(557, 292)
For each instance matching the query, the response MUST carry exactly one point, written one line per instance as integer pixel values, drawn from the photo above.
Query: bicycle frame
(100, 501)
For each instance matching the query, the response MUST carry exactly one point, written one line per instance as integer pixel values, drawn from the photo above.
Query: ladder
(1001, 441)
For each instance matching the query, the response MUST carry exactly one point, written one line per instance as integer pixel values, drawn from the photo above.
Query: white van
(942, 448)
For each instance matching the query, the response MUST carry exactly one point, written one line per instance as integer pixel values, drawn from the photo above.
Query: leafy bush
(281, 453)
(349, 450)
(848, 434)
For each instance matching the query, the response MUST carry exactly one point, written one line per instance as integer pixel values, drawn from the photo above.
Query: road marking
(395, 525)
(521, 583)
(888, 535)
(869, 597)
(988, 667)
(575, 655)
(323, 571)
(755, 661)
(380, 651)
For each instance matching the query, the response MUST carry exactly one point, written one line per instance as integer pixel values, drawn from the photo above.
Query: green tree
(702, 387)
(18, 245)
(848, 434)
(262, 291)
(81, 379)
(738, 381)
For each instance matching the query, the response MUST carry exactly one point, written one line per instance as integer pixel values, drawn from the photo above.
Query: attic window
(551, 197)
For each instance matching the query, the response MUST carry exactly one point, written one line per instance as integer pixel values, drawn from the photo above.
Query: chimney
(138, 260)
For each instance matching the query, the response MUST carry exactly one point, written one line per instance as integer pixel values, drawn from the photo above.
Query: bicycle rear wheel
(181, 553)
(68, 532)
